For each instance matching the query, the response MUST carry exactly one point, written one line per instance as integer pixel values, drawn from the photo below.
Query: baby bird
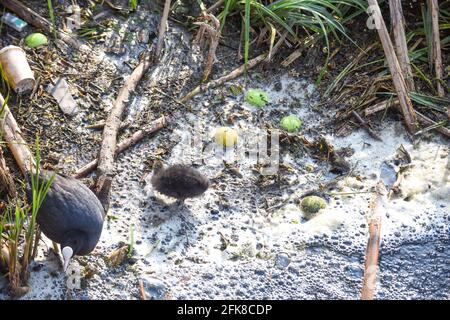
(178, 181)
(70, 215)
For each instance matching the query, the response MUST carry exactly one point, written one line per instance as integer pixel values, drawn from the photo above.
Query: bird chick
(178, 181)
(70, 215)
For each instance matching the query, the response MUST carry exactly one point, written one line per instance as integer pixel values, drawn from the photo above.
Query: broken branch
(162, 28)
(365, 126)
(125, 144)
(6, 181)
(436, 45)
(13, 136)
(373, 244)
(396, 72)
(398, 26)
(107, 151)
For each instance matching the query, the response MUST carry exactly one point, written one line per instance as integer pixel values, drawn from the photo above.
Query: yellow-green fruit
(291, 123)
(257, 97)
(312, 204)
(226, 137)
(35, 40)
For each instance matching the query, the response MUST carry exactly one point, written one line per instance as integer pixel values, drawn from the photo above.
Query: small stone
(154, 288)
(282, 260)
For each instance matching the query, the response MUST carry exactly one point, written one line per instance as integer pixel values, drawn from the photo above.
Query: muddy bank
(246, 237)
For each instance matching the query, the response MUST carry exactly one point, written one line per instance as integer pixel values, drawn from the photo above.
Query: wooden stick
(379, 107)
(423, 119)
(373, 244)
(40, 22)
(398, 26)
(107, 151)
(396, 72)
(142, 290)
(162, 28)
(215, 6)
(213, 32)
(13, 136)
(101, 125)
(113, 6)
(125, 144)
(427, 121)
(217, 82)
(6, 181)
(433, 6)
(36, 241)
(366, 126)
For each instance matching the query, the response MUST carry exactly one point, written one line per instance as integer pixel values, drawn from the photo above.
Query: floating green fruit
(226, 137)
(312, 204)
(291, 123)
(257, 97)
(35, 40)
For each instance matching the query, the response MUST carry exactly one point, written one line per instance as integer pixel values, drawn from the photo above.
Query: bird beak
(67, 253)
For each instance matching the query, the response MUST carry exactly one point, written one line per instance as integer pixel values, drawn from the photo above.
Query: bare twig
(366, 126)
(162, 28)
(215, 6)
(373, 244)
(142, 290)
(218, 82)
(123, 145)
(396, 72)
(420, 117)
(13, 136)
(107, 152)
(233, 74)
(113, 6)
(398, 26)
(427, 121)
(101, 125)
(380, 106)
(36, 241)
(6, 181)
(210, 26)
(436, 50)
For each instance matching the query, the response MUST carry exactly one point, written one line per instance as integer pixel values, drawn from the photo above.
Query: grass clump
(19, 232)
(293, 18)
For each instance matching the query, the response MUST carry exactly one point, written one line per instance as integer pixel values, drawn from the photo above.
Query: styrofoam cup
(16, 68)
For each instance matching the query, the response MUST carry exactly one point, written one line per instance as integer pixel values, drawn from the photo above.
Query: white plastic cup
(16, 68)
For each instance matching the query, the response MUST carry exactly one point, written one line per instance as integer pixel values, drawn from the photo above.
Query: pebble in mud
(282, 260)
(154, 288)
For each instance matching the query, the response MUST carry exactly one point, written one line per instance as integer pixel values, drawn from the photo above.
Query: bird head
(67, 253)
(74, 244)
(158, 166)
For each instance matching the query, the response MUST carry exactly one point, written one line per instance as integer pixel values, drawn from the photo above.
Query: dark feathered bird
(178, 181)
(70, 215)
